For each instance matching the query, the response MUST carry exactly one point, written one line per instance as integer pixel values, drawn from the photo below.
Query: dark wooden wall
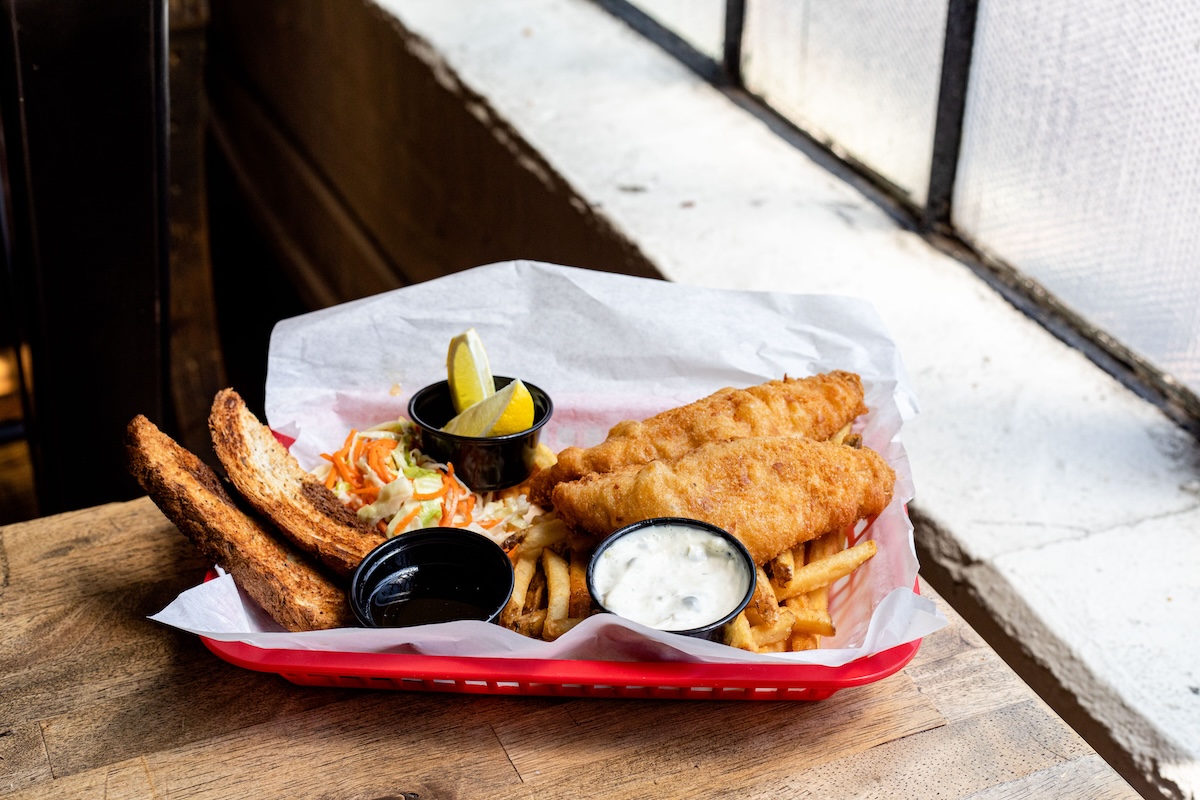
(84, 106)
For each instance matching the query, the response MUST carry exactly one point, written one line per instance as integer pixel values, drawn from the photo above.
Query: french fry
(738, 633)
(809, 621)
(580, 602)
(818, 598)
(804, 641)
(543, 457)
(820, 548)
(558, 589)
(826, 571)
(531, 624)
(826, 545)
(781, 568)
(763, 608)
(790, 607)
(535, 597)
(797, 558)
(542, 534)
(561, 627)
(841, 435)
(527, 575)
(523, 571)
(772, 633)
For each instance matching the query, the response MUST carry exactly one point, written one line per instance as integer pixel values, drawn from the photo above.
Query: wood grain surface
(98, 701)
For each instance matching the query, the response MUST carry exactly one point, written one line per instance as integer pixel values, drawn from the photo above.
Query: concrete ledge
(1061, 511)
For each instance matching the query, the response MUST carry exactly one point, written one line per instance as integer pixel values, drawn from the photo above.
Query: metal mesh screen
(861, 75)
(1080, 163)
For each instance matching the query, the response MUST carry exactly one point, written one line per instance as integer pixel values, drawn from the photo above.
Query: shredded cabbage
(403, 489)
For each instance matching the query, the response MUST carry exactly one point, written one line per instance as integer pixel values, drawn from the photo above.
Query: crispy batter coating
(815, 407)
(772, 493)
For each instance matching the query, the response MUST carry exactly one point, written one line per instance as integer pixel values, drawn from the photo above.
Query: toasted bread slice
(278, 578)
(267, 475)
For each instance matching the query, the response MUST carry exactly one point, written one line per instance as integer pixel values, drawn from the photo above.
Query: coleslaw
(394, 486)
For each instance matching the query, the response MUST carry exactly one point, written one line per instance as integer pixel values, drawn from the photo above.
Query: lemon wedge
(509, 410)
(467, 369)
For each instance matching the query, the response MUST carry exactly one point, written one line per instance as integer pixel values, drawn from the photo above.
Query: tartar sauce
(670, 576)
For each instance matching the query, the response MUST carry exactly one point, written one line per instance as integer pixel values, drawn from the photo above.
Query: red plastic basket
(562, 677)
(566, 678)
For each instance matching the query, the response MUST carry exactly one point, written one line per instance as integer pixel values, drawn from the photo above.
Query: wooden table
(96, 700)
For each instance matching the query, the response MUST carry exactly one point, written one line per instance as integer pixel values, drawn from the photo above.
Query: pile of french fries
(550, 594)
(790, 607)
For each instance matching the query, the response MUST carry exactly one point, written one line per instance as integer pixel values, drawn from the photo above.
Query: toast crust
(277, 577)
(275, 484)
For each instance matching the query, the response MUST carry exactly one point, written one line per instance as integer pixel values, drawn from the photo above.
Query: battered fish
(772, 493)
(816, 407)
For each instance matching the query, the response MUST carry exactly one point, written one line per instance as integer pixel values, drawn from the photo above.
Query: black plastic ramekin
(431, 575)
(714, 630)
(484, 463)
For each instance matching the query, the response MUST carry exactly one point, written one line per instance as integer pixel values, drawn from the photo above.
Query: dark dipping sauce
(424, 611)
(430, 576)
(421, 595)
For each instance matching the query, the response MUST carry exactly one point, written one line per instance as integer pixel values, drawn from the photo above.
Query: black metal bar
(735, 25)
(668, 40)
(961, 16)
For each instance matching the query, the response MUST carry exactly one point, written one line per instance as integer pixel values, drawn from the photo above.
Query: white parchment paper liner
(605, 347)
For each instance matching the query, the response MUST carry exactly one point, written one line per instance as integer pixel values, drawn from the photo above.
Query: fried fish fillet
(272, 481)
(772, 493)
(281, 580)
(815, 407)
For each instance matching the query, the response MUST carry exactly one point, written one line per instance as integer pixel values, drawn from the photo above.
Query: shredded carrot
(490, 523)
(409, 517)
(375, 454)
(343, 470)
(449, 503)
(432, 495)
(368, 494)
(453, 505)
(382, 526)
(331, 478)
